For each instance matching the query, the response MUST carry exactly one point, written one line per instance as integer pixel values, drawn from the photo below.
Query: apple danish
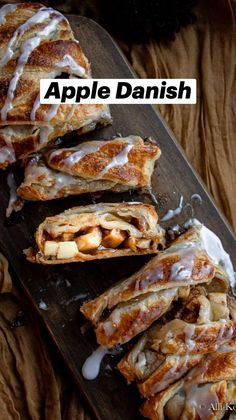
(135, 303)
(97, 231)
(205, 393)
(117, 165)
(36, 42)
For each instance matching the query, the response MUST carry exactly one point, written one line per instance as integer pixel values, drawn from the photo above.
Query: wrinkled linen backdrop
(33, 384)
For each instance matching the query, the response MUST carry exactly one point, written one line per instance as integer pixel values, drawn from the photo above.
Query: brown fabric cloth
(206, 131)
(32, 385)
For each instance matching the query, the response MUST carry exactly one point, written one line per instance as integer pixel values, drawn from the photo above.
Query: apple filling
(68, 245)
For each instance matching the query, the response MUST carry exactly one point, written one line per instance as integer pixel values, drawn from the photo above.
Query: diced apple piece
(113, 238)
(90, 240)
(66, 250)
(143, 243)
(67, 236)
(50, 248)
(130, 243)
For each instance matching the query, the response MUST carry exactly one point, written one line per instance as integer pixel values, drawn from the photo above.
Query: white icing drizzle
(35, 108)
(51, 112)
(68, 61)
(33, 171)
(41, 15)
(39, 174)
(26, 49)
(74, 299)
(196, 197)
(118, 160)
(91, 366)
(173, 212)
(43, 305)
(170, 376)
(229, 334)
(189, 331)
(225, 348)
(176, 228)
(15, 203)
(7, 152)
(191, 222)
(72, 111)
(7, 8)
(212, 244)
(202, 399)
(79, 152)
(221, 331)
(214, 248)
(92, 147)
(182, 269)
(141, 361)
(44, 133)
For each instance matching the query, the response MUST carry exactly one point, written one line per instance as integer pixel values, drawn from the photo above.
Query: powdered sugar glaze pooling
(212, 244)
(91, 366)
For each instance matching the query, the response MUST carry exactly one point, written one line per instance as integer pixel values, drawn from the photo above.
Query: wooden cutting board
(64, 288)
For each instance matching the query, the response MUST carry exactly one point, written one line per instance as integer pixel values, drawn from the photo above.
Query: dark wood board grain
(63, 288)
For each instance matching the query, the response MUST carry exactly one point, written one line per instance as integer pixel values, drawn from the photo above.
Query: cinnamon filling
(94, 239)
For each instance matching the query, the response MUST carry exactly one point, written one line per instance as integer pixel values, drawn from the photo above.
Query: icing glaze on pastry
(7, 152)
(214, 248)
(26, 48)
(91, 366)
(41, 15)
(173, 212)
(68, 61)
(91, 166)
(118, 160)
(15, 203)
(7, 8)
(78, 152)
(51, 112)
(73, 108)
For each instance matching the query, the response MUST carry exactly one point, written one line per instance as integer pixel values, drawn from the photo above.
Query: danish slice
(116, 165)
(97, 231)
(204, 393)
(19, 141)
(36, 42)
(165, 278)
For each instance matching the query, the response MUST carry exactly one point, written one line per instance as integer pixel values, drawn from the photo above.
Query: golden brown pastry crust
(36, 43)
(203, 393)
(129, 319)
(202, 350)
(134, 304)
(47, 58)
(167, 351)
(90, 225)
(126, 160)
(161, 272)
(193, 338)
(18, 141)
(89, 167)
(171, 370)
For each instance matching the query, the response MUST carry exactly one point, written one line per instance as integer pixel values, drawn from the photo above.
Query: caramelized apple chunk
(130, 243)
(90, 240)
(113, 238)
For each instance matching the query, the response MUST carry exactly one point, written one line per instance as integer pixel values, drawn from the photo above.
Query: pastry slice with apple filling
(132, 305)
(98, 231)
